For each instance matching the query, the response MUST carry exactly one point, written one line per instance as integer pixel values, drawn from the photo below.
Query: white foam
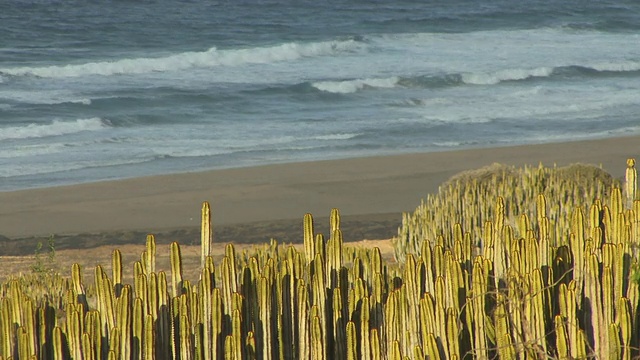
(204, 147)
(573, 136)
(54, 128)
(187, 60)
(31, 150)
(492, 78)
(79, 101)
(448, 144)
(547, 103)
(185, 151)
(491, 57)
(18, 169)
(43, 97)
(345, 136)
(351, 86)
(617, 67)
(459, 144)
(526, 93)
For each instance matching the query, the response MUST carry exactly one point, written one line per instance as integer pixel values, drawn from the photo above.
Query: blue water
(96, 90)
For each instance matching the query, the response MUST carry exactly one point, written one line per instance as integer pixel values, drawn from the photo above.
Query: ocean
(99, 90)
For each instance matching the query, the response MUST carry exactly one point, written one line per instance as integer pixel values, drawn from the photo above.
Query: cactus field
(501, 263)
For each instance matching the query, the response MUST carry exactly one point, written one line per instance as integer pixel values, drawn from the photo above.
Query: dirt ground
(89, 250)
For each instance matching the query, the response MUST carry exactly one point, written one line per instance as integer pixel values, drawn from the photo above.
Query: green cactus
(236, 332)
(334, 258)
(205, 292)
(317, 340)
(87, 347)
(264, 296)
(137, 327)
(339, 325)
(150, 252)
(176, 269)
(94, 329)
(228, 283)
(614, 346)
(250, 346)
(562, 341)
(148, 343)
(394, 351)
(560, 285)
(206, 233)
(624, 323)
(123, 320)
(304, 333)
(352, 348)
(453, 340)
(186, 349)
(309, 241)
(152, 296)
(59, 349)
(229, 349)
(478, 304)
(504, 342)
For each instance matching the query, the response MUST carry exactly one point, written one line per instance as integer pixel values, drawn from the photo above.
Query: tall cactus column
(631, 183)
(206, 233)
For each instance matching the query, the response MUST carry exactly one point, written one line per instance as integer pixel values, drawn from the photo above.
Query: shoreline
(312, 161)
(270, 193)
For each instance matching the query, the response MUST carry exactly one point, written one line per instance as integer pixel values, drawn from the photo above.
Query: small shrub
(41, 264)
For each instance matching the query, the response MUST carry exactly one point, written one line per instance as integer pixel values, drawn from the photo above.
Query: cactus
(478, 304)
(317, 341)
(562, 341)
(58, 345)
(150, 255)
(206, 233)
(308, 239)
(504, 342)
(304, 349)
(123, 321)
(352, 348)
(176, 269)
(553, 279)
(624, 322)
(137, 327)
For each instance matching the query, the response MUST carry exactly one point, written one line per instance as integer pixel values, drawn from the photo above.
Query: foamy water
(90, 92)
(54, 129)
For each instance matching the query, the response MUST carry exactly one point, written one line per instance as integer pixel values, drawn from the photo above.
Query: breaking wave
(351, 86)
(187, 60)
(55, 128)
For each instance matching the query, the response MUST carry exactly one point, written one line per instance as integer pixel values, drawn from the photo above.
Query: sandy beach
(254, 204)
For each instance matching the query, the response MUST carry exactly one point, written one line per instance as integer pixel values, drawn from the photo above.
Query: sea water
(97, 90)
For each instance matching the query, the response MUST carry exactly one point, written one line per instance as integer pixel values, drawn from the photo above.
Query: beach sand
(258, 203)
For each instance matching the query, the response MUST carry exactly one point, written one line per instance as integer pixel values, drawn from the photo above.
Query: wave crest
(351, 86)
(496, 77)
(628, 66)
(55, 128)
(339, 136)
(187, 60)
(43, 97)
